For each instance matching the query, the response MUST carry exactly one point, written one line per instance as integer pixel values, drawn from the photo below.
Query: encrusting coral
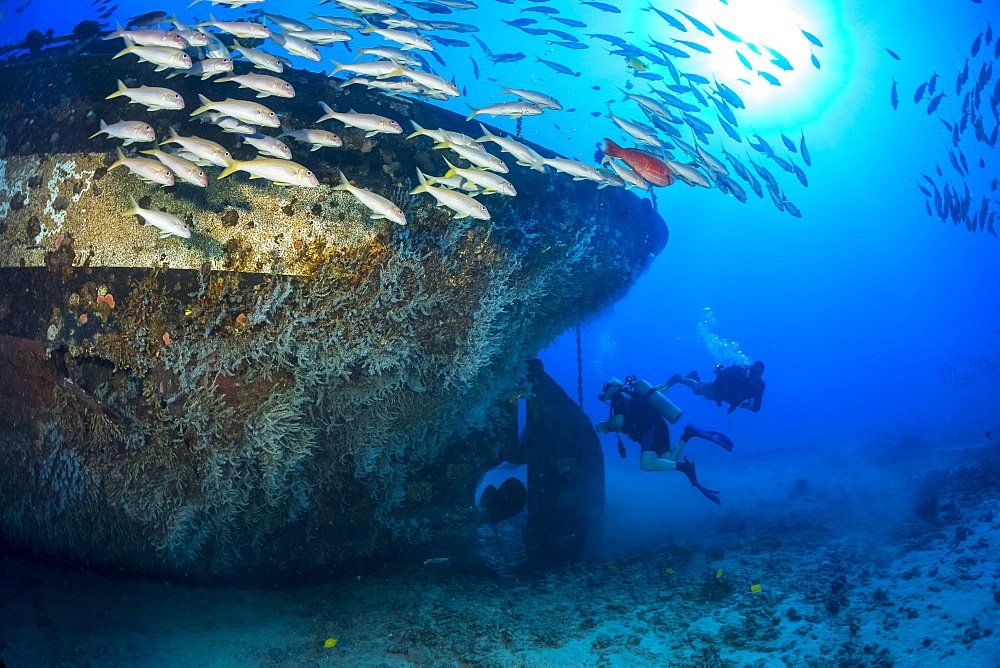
(289, 388)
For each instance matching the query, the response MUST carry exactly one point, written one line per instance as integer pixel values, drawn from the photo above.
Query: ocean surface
(875, 310)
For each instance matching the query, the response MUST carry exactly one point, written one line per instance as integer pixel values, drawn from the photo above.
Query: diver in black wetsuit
(635, 413)
(739, 385)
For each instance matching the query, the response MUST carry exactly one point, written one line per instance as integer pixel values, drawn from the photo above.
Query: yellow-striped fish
(282, 172)
(462, 205)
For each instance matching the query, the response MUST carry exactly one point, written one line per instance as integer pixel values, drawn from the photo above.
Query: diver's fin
(721, 440)
(687, 468)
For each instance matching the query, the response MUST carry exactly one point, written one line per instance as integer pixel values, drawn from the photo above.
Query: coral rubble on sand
(920, 590)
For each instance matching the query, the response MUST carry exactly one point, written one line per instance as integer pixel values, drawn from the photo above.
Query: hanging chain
(579, 366)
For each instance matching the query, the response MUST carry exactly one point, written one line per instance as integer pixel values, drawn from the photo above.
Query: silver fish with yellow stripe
(439, 136)
(260, 59)
(378, 205)
(609, 178)
(409, 40)
(286, 23)
(248, 112)
(206, 69)
(340, 22)
(317, 138)
(167, 224)
(512, 109)
(430, 81)
(296, 46)
(476, 156)
(130, 131)
(391, 53)
(370, 123)
(238, 28)
(524, 155)
(189, 156)
(393, 87)
(463, 205)
(161, 56)
(148, 37)
(227, 123)
(203, 148)
(640, 133)
(185, 169)
(152, 97)
(578, 170)
(269, 146)
(262, 83)
(282, 172)
(371, 68)
(146, 169)
(215, 48)
(323, 36)
(538, 99)
(366, 6)
(488, 181)
(235, 4)
(628, 176)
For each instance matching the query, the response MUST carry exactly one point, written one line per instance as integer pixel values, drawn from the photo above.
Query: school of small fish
(673, 140)
(977, 86)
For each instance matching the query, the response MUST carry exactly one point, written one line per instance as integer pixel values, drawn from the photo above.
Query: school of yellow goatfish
(393, 68)
(168, 50)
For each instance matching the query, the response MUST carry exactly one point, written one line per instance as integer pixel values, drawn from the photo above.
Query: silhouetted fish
(430, 7)
(779, 60)
(733, 37)
(934, 104)
(696, 23)
(147, 19)
(603, 6)
(672, 20)
(569, 22)
(694, 45)
(558, 67)
(506, 57)
(769, 78)
(812, 38)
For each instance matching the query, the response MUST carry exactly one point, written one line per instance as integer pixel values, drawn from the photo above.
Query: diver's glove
(687, 468)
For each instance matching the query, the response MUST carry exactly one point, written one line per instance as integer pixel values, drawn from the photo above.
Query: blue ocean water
(877, 322)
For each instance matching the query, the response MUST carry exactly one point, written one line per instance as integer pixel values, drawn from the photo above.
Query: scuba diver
(739, 385)
(641, 412)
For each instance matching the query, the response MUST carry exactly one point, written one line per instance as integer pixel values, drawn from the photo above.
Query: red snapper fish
(645, 165)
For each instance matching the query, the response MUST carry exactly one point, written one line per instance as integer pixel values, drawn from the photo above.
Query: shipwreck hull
(296, 385)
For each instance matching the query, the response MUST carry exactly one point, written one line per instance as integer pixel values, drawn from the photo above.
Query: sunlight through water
(750, 29)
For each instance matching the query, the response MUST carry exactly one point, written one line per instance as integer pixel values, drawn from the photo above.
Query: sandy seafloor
(894, 560)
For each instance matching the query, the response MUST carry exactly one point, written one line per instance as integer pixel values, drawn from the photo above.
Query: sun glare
(765, 47)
